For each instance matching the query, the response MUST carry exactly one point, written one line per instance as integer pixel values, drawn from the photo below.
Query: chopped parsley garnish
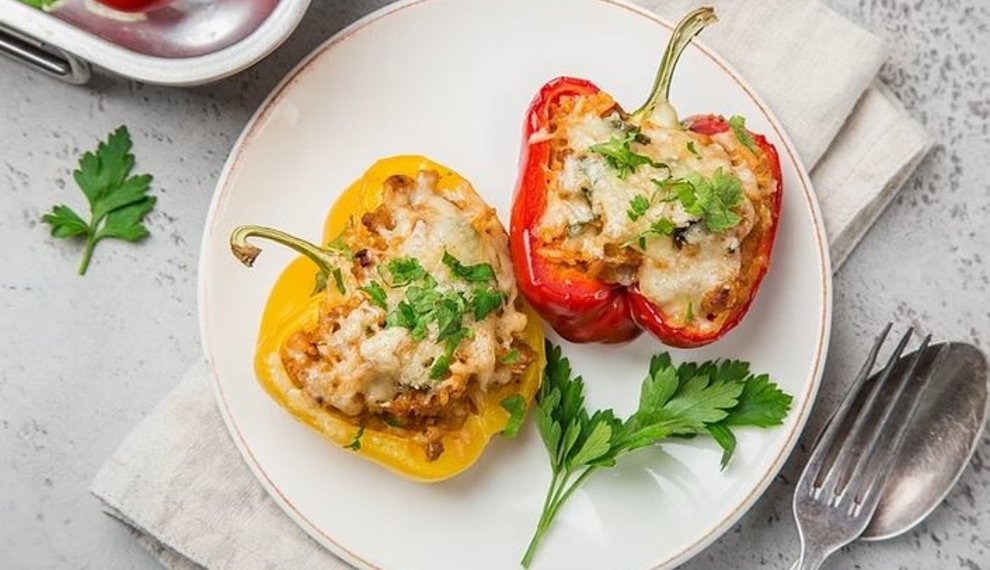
(713, 199)
(620, 157)
(441, 366)
(485, 301)
(738, 125)
(404, 316)
(376, 294)
(392, 421)
(426, 304)
(689, 316)
(512, 356)
(355, 443)
(405, 270)
(516, 406)
(675, 401)
(710, 200)
(667, 190)
(638, 207)
(692, 150)
(661, 227)
(473, 273)
(450, 310)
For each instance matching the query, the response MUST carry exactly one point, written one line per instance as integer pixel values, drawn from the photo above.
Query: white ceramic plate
(451, 79)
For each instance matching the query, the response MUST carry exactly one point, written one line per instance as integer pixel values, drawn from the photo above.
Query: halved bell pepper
(292, 306)
(583, 308)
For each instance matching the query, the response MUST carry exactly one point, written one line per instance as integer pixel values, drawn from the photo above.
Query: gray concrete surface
(82, 360)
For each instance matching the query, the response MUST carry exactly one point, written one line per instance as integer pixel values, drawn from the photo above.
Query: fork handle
(810, 560)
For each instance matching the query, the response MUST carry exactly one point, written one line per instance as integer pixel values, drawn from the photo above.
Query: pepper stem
(247, 253)
(658, 103)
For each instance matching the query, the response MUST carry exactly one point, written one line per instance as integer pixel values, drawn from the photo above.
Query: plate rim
(221, 192)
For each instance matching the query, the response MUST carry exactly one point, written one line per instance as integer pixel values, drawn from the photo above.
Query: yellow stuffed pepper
(411, 346)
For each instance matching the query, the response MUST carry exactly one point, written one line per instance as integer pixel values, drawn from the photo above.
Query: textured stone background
(82, 360)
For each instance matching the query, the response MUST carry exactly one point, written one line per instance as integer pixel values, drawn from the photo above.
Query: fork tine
(857, 478)
(822, 448)
(868, 496)
(837, 476)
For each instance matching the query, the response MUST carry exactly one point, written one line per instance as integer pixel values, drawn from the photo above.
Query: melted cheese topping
(356, 362)
(691, 275)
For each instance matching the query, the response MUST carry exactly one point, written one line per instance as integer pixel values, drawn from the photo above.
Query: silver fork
(841, 485)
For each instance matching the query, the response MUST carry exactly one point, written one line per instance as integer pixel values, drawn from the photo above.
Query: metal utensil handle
(47, 58)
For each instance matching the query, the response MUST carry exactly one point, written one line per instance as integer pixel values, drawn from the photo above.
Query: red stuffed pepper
(630, 221)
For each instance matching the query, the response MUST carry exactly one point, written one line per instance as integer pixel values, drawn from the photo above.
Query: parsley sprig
(675, 401)
(118, 201)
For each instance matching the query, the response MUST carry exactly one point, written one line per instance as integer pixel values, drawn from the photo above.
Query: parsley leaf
(717, 198)
(712, 199)
(669, 190)
(686, 400)
(516, 406)
(473, 273)
(738, 125)
(404, 316)
(449, 312)
(638, 207)
(405, 270)
(692, 150)
(661, 227)
(118, 201)
(762, 404)
(485, 301)
(620, 157)
(725, 439)
(355, 444)
(376, 294)
(441, 366)
(512, 356)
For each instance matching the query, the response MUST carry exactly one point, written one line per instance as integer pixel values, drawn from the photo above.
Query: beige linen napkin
(178, 480)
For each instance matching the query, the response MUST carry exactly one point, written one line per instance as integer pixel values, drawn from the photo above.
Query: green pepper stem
(690, 26)
(247, 253)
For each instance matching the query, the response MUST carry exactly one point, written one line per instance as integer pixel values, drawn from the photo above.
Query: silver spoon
(940, 442)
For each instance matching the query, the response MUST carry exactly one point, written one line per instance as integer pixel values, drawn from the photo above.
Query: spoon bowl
(939, 443)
